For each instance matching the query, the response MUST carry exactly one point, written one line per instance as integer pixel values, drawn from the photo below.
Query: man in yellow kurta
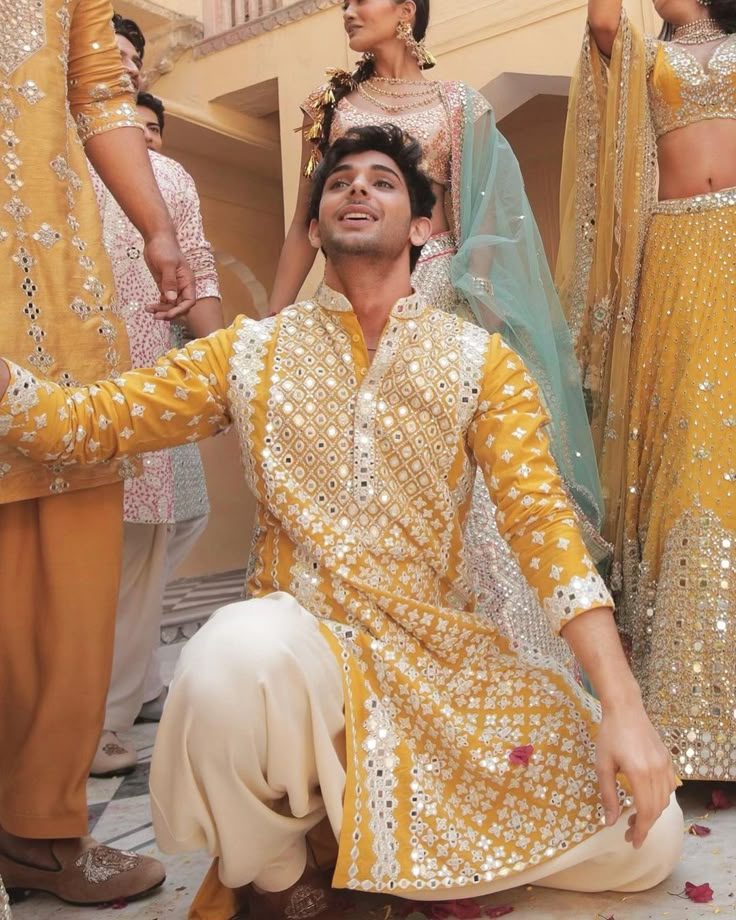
(359, 683)
(62, 86)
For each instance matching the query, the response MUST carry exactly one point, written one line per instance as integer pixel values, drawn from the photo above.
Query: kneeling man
(357, 683)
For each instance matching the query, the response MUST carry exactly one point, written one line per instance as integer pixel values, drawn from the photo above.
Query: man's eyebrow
(347, 167)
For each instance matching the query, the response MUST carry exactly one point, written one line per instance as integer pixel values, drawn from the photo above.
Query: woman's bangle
(482, 286)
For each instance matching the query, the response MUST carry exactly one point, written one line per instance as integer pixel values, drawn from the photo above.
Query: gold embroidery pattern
(682, 91)
(433, 280)
(24, 32)
(56, 270)
(102, 863)
(682, 633)
(246, 367)
(679, 592)
(21, 396)
(430, 126)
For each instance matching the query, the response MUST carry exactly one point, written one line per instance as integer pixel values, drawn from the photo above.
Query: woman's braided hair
(341, 83)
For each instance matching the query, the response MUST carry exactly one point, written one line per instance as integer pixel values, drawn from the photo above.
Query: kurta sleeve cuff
(99, 117)
(207, 286)
(580, 595)
(18, 403)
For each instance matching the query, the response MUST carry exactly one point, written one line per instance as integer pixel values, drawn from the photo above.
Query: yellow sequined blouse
(465, 761)
(682, 91)
(61, 82)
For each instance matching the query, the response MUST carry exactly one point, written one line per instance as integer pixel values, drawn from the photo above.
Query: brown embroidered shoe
(310, 897)
(88, 873)
(112, 757)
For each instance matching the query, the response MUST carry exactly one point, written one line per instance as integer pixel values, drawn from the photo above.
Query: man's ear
(314, 238)
(421, 230)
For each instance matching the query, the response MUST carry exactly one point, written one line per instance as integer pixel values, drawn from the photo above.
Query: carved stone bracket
(166, 45)
(273, 20)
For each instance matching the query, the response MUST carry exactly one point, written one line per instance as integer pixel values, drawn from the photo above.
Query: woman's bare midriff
(697, 159)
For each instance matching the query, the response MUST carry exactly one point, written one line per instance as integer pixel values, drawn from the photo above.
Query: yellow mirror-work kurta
(363, 475)
(61, 82)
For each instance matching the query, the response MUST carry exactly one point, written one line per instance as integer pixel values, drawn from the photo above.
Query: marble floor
(120, 816)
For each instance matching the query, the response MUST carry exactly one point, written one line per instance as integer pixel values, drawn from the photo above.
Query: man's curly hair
(130, 30)
(400, 147)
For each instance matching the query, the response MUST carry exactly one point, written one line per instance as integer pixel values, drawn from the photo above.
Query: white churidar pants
(151, 554)
(250, 756)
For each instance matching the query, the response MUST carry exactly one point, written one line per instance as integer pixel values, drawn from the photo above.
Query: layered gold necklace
(698, 32)
(391, 94)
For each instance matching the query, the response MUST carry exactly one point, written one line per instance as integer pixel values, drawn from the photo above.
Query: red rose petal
(700, 894)
(521, 756)
(698, 830)
(719, 801)
(438, 911)
(465, 909)
(499, 911)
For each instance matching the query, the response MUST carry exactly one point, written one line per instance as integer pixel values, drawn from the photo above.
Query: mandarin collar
(404, 308)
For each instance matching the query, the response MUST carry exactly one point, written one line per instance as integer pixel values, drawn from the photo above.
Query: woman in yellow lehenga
(649, 284)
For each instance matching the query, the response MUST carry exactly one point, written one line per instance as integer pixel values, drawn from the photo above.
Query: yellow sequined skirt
(679, 603)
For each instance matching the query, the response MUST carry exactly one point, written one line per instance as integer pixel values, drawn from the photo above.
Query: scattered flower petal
(700, 894)
(698, 830)
(464, 909)
(521, 756)
(719, 801)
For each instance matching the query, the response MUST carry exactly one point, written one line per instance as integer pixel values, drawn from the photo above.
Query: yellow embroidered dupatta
(607, 191)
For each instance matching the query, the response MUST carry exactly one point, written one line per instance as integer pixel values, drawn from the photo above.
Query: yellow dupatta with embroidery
(607, 192)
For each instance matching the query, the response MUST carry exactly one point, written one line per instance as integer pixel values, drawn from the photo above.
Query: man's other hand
(173, 276)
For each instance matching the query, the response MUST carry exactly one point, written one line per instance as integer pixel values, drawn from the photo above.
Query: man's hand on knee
(628, 743)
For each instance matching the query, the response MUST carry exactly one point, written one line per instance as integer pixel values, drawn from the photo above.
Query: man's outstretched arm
(509, 441)
(182, 398)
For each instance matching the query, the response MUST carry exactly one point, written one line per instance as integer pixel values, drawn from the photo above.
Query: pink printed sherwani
(171, 487)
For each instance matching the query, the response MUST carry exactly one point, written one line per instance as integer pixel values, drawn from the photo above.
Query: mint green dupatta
(502, 271)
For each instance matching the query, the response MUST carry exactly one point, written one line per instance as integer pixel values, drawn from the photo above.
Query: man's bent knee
(662, 849)
(242, 645)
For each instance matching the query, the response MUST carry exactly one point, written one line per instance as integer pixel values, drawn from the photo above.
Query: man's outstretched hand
(628, 743)
(172, 274)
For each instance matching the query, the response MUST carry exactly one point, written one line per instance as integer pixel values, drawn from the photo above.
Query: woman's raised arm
(604, 17)
(298, 254)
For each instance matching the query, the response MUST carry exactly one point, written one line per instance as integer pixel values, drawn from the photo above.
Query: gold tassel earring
(424, 57)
